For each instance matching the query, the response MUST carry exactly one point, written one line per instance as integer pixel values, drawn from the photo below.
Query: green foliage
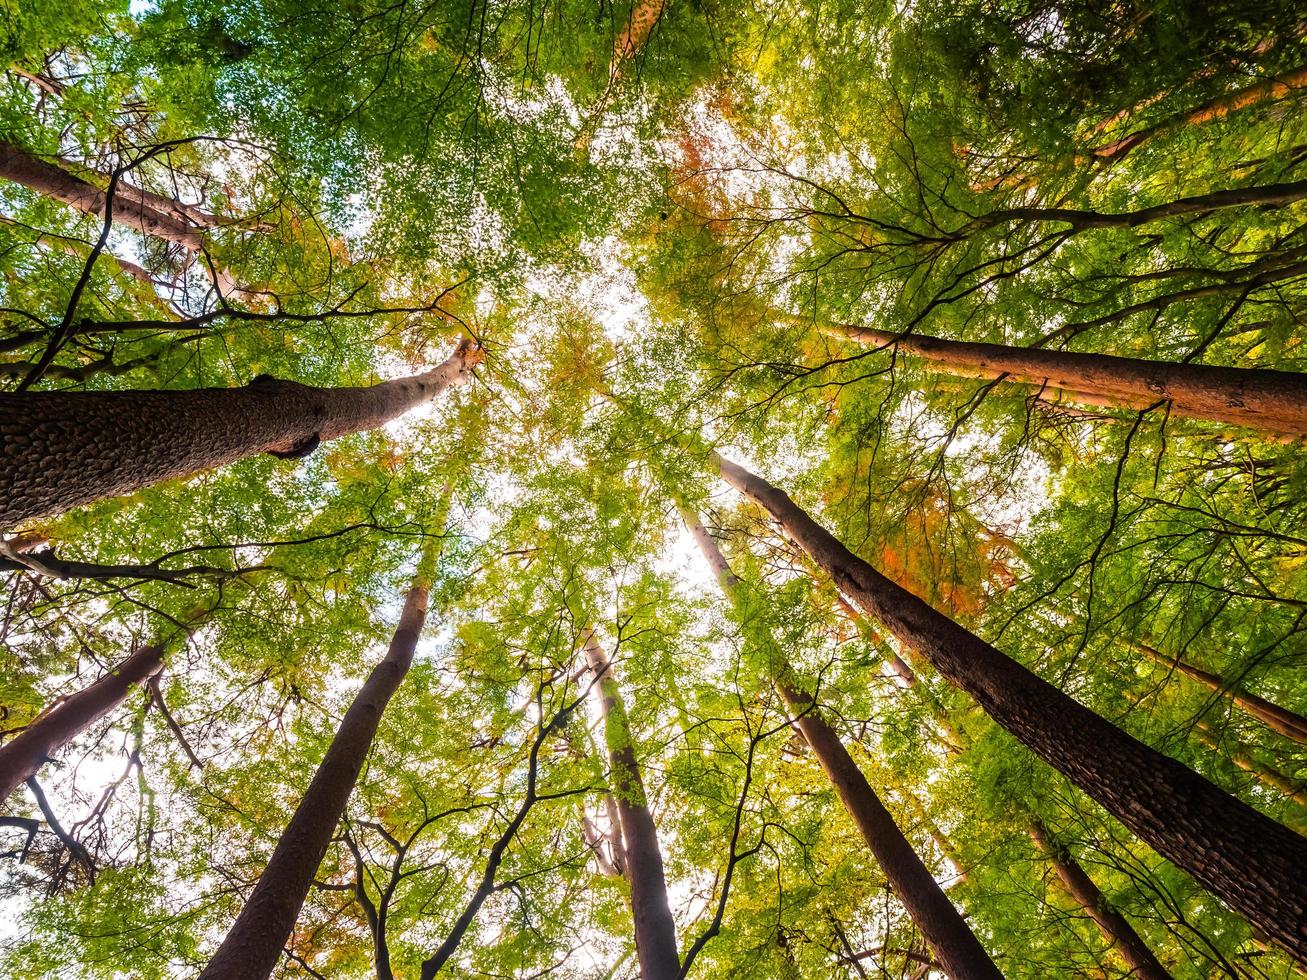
(646, 240)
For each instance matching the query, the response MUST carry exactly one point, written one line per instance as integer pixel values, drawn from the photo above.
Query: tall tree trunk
(1115, 928)
(655, 929)
(1246, 859)
(57, 725)
(64, 448)
(256, 939)
(1263, 773)
(1288, 723)
(1111, 923)
(129, 209)
(1268, 400)
(940, 923)
(1217, 109)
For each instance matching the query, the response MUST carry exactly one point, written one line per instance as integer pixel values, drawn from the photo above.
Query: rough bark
(1288, 723)
(1143, 964)
(65, 448)
(1249, 861)
(57, 725)
(956, 947)
(256, 939)
(1264, 399)
(655, 929)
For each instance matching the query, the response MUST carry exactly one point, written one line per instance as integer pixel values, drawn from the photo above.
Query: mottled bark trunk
(56, 726)
(956, 947)
(1268, 400)
(655, 929)
(1113, 925)
(256, 939)
(62, 449)
(1246, 859)
(1288, 723)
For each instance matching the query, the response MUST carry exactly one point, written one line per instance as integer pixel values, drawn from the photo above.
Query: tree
(1272, 401)
(955, 946)
(114, 443)
(255, 941)
(1150, 793)
(655, 930)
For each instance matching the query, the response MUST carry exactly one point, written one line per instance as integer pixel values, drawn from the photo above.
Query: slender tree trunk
(1263, 773)
(62, 449)
(129, 209)
(655, 929)
(256, 939)
(1217, 109)
(57, 725)
(940, 923)
(1268, 400)
(1288, 723)
(1143, 964)
(1246, 859)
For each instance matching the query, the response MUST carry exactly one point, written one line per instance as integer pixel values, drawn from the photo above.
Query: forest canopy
(662, 488)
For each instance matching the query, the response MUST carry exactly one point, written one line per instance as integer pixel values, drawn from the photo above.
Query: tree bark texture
(655, 929)
(1113, 925)
(62, 449)
(256, 939)
(56, 726)
(954, 944)
(1249, 861)
(1263, 399)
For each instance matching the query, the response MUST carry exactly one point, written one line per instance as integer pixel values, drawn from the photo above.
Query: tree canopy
(316, 315)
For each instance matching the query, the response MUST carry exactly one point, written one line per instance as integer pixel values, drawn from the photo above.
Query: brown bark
(63, 448)
(132, 207)
(1258, 398)
(1263, 773)
(1143, 964)
(959, 952)
(1217, 109)
(655, 929)
(645, 15)
(1249, 861)
(54, 181)
(1288, 723)
(256, 939)
(57, 725)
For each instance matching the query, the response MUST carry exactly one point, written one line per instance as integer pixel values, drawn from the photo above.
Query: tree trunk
(1112, 924)
(1246, 859)
(53, 181)
(940, 923)
(1216, 109)
(1143, 964)
(1268, 400)
(256, 939)
(63, 448)
(56, 726)
(1288, 723)
(1263, 773)
(655, 929)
